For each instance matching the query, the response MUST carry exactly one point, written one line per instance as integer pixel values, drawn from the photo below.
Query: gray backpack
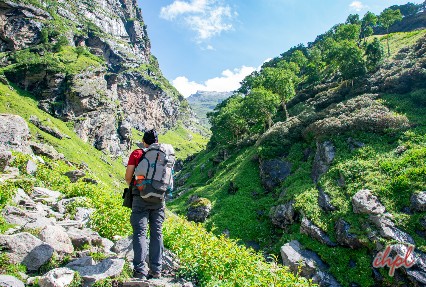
(154, 173)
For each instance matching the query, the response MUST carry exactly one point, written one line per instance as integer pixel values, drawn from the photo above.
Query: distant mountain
(203, 102)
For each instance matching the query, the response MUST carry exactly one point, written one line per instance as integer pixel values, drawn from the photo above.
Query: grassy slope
(376, 166)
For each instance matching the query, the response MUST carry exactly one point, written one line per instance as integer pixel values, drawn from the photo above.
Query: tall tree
(367, 23)
(386, 19)
(281, 82)
(351, 60)
(353, 19)
(375, 53)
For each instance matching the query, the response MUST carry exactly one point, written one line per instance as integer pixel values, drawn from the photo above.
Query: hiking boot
(138, 275)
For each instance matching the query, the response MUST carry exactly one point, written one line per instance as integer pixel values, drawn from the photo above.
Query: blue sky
(213, 44)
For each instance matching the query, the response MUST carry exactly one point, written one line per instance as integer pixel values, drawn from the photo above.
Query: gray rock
(75, 175)
(124, 248)
(57, 237)
(5, 157)
(273, 172)
(365, 202)
(21, 198)
(308, 262)
(10, 173)
(107, 245)
(83, 215)
(31, 167)
(354, 144)
(61, 205)
(14, 133)
(81, 262)
(418, 201)
(46, 150)
(388, 229)
(344, 237)
(309, 228)
(86, 236)
(199, 210)
(26, 219)
(324, 200)
(52, 131)
(283, 215)
(58, 277)
(10, 281)
(45, 195)
(26, 249)
(108, 268)
(323, 158)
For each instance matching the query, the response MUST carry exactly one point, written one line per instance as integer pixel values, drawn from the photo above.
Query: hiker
(147, 208)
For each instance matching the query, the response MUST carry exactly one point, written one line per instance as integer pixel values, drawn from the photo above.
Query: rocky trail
(49, 228)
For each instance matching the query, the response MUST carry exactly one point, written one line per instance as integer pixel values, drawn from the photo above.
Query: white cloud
(357, 6)
(207, 18)
(228, 81)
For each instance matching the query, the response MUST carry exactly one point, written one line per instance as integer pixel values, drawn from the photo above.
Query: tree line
(345, 52)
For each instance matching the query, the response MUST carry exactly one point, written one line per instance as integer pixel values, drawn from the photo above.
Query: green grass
(400, 40)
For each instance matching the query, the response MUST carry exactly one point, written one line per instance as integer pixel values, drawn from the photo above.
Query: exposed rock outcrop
(199, 210)
(273, 172)
(14, 133)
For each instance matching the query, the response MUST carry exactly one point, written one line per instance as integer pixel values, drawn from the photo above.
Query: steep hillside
(204, 102)
(89, 64)
(334, 182)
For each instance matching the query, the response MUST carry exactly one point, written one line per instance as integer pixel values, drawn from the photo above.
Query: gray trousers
(142, 215)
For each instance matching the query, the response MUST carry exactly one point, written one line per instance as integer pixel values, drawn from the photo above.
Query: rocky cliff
(89, 63)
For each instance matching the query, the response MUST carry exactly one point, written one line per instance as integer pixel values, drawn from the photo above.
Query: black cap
(150, 137)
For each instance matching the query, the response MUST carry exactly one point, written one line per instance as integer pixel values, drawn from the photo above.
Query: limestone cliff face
(89, 62)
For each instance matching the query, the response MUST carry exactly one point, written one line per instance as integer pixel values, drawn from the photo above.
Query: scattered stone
(14, 133)
(26, 249)
(5, 157)
(61, 205)
(324, 200)
(199, 210)
(81, 262)
(75, 175)
(58, 277)
(107, 245)
(365, 202)
(82, 237)
(107, 268)
(90, 180)
(181, 180)
(52, 131)
(309, 228)
(388, 229)
(323, 158)
(31, 167)
(354, 144)
(25, 218)
(21, 198)
(45, 195)
(46, 150)
(210, 173)
(307, 262)
(124, 248)
(341, 182)
(400, 150)
(418, 201)
(10, 281)
(83, 215)
(273, 172)
(344, 237)
(283, 214)
(57, 237)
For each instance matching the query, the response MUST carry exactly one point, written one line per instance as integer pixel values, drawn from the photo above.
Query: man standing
(144, 213)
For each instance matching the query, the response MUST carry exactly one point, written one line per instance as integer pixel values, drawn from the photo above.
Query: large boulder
(344, 237)
(323, 158)
(58, 277)
(418, 201)
(45, 195)
(273, 172)
(26, 249)
(84, 237)
(308, 263)
(107, 268)
(61, 205)
(124, 248)
(365, 202)
(283, 214)
(75, 175)
(14, 133)
(309, 228)
(324, 200)
(46, 150)
(57, 237)
(199, 210)
(10, 281)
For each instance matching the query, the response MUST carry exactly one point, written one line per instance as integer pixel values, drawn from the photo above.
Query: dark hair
(150, 137)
